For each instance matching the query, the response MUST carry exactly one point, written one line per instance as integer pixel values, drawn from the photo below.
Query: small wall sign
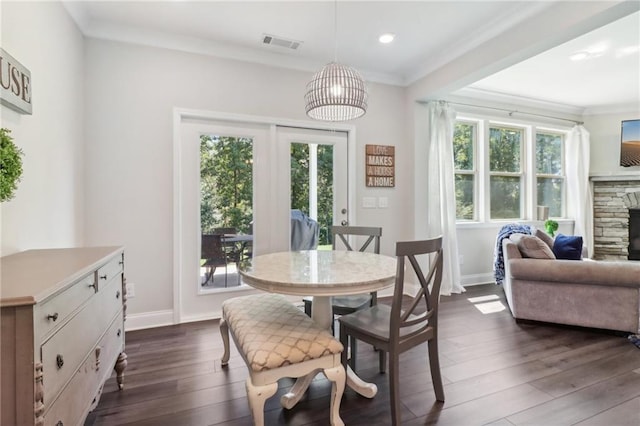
(380, 166)
(15, 82)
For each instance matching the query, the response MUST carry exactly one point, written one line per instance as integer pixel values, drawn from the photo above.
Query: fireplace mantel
(615, 176)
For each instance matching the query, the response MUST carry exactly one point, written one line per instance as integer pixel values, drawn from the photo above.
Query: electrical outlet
(131, 290)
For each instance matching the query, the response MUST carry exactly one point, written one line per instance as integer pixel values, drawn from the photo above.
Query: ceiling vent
(280, 41)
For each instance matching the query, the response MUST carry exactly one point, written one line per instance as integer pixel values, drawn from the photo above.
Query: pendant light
(336, 92)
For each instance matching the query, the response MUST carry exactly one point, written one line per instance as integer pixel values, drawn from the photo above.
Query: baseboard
(148, 320)
(476, 279)
(164, 318)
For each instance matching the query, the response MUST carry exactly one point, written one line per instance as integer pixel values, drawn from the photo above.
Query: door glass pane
(505, 197)
(312, 195)
(226, 207)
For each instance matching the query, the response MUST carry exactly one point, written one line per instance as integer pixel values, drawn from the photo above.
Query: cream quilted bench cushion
(270, 332)
(278, 340)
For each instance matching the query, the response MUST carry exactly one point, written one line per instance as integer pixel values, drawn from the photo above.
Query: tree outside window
(505, 153)
(464, 137)
(226, 183)
(550, 172)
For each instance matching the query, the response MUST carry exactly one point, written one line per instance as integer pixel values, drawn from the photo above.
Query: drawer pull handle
(53, 317)
(121, 262)
(59, 423)
(93, 285)
(103, 277)
(59, 361)
(119, 332)
(118, 294)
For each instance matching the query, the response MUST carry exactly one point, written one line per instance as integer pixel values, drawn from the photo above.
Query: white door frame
(182, 116)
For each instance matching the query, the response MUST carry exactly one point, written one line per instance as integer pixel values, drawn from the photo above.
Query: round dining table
(321, 274)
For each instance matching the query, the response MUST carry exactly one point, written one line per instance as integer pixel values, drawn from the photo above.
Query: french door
(318, 182)
(266, 149)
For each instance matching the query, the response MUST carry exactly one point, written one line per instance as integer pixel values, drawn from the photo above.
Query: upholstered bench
(278, 340)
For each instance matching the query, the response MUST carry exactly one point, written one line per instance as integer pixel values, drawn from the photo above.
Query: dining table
(321, 274)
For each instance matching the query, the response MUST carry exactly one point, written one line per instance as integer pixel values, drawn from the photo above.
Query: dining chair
(343, 305)
(212, 250)
(233, 253)
(395, 330)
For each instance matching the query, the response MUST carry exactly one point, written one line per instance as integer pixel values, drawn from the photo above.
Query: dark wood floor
(495, 372)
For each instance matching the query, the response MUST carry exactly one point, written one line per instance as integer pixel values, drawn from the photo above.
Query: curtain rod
(515, 111)
(313, 128)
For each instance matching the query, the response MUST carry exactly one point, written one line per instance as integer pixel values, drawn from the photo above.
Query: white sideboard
(62, 318)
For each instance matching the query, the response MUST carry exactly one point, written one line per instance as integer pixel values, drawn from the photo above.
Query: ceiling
(429, 34)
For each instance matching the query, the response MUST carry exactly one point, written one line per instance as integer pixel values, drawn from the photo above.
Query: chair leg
(338, 378)
(307, 307)
(344, 339)
(224, 332)
(394, 385)
(257, 395)
(434, 364)
(353, 343)
(382, 361)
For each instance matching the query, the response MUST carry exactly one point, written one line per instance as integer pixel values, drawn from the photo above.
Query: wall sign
(380, 166)
(15, 82)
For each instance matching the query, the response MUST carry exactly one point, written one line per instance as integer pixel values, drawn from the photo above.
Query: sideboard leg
(121, 364)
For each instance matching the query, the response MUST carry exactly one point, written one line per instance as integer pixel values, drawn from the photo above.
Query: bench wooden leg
(224, 332)
(338, 378)
(257, 395)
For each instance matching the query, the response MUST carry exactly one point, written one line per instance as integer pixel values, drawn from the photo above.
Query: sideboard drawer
(65, 350)
(55, 312)
(86, 384)
(110, 270)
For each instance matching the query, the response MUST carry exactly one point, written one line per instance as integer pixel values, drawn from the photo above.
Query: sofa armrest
(510, 250)
(625, 274)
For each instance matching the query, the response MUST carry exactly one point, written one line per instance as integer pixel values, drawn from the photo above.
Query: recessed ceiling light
(580, 56)
(386, 38)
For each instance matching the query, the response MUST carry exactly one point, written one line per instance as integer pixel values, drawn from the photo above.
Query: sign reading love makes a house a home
(15, 82)
(380, 166)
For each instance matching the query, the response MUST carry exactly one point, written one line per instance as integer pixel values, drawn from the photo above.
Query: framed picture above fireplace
(630, 143)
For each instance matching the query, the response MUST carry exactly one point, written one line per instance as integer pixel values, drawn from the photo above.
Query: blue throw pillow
(567, 247)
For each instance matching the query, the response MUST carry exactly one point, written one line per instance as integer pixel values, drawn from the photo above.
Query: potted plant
(10, 166)
(551, 226)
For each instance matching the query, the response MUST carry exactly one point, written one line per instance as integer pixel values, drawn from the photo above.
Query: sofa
(587, 293)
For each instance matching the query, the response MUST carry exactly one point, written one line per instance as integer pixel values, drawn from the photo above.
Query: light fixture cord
(335, 31)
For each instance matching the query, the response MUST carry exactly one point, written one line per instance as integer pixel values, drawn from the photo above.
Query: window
(503, 170)
(464, 138)
(550, 172)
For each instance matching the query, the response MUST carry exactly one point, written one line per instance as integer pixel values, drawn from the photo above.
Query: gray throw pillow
(534, 248)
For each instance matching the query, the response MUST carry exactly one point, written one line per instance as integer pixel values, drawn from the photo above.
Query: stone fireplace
(616, 203)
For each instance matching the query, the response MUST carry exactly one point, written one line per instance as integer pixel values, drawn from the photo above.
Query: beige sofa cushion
(533, 247)
(544, 237)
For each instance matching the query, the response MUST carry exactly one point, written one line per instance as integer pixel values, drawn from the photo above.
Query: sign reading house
(15, 80)
(380, 166)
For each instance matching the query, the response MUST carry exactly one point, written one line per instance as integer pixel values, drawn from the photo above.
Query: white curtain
(578, 187)
(441, 212)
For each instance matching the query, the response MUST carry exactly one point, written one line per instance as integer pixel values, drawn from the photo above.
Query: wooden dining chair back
(343, 305)
(397, 328)
(212, 251)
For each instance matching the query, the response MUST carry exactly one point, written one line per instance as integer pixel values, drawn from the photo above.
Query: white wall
(130, 95)
(604, 130)
(47, 210)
